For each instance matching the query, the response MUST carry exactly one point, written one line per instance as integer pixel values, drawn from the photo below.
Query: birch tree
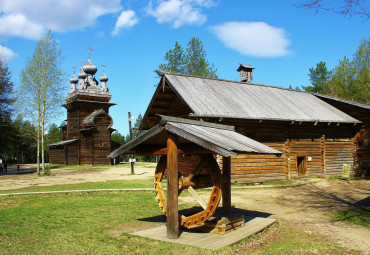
(41, 90)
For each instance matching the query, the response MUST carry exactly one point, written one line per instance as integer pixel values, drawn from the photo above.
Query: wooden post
(226, 184)
(172, 188)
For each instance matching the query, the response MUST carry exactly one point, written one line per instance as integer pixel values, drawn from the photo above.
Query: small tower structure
(86, 136)
(246, 73)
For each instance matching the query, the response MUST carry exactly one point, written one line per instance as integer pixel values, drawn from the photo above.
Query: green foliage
(135, 131)
(47, 171)
(193, 61)
(319, 78)
(356, 216)
(6, 89)
(118, 138)
(41, 90)
(349, 80)
(175, 60)
(24, 141)
(6, 101)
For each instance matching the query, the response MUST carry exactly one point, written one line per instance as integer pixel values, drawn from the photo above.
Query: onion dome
(89, 68)
(73, 79)
(82, 74)
(103, 78)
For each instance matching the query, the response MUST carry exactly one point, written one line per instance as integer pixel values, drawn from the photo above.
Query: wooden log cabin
(361, 112)
(86, 136)
(315, 137)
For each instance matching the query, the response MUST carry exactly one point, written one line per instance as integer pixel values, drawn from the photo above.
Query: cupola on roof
(87, 85)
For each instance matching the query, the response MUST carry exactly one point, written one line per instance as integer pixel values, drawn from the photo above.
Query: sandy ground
(308, 208)
(28, 177)
(305, 207)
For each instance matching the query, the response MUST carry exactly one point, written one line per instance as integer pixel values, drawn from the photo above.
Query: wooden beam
(226, 185)
(172, 188)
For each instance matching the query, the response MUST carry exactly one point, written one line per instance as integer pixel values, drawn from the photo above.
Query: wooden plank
(197, 197)
(226, 184)
(210, 241)
(172, 188)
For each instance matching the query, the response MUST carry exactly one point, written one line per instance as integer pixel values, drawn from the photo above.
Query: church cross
(104, 66)
(74, 69)
(90, 49)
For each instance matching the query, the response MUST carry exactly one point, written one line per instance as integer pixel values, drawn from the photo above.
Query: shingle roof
(219, 139)
(220, 98)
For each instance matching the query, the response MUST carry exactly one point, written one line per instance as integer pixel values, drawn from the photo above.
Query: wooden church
(86, 136)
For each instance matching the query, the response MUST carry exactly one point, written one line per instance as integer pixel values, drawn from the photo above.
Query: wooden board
(210, 241)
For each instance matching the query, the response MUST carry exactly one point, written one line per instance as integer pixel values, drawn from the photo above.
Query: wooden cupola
(246, 73)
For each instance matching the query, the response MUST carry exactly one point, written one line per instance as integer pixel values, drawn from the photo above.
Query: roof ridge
(165, 119)
(161, 73)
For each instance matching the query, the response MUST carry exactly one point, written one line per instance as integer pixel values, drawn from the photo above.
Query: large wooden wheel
(195, 172)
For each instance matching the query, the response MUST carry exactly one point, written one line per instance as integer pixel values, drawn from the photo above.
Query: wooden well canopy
(188, 163)
(194, 137)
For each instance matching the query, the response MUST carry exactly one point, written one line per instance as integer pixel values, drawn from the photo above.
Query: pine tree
(196, 62)
(319, 78)
(6, 101)
(192, 62)
(175, 60)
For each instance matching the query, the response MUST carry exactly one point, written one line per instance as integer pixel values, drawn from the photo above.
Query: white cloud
(256, 39)
(179, 12)
(127, 19)
(6, 54)
(18, 25)
(31, 20)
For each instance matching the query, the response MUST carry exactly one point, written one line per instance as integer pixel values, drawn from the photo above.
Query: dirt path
(308, 207)
(29, 177)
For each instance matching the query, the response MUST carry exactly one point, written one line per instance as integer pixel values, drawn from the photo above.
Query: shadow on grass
(218, 214)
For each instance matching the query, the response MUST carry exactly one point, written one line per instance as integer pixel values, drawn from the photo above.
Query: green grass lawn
(99, 223)
(355, 216)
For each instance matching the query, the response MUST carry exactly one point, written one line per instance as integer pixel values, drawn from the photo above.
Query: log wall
(324, 149)
(57, 156)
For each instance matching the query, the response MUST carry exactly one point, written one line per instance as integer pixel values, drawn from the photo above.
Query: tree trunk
(42, 135)
(38, 144)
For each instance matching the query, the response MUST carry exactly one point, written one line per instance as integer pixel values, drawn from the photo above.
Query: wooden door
(301, 165)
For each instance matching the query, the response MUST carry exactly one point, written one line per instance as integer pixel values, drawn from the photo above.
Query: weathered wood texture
(226, 184)
(362, 154)
(57, 156)
(94, 143)
(173, 227)
(210, 241)
(325, 147)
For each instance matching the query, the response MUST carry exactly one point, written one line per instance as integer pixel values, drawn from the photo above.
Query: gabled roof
(214, 97)
(207, 97)
(90, 119)
(339, 100)
(215, 138)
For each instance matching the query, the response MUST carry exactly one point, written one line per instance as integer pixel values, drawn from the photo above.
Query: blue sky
(131, 37)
